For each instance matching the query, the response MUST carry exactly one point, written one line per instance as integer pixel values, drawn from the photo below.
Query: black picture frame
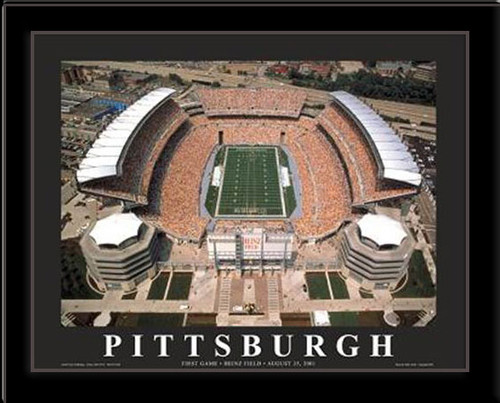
(25, 22)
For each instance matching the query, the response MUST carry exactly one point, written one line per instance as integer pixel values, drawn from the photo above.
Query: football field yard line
(250, 185)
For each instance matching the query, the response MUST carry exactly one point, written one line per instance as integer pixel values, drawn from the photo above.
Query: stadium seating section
(166, 159)
(252, 102)
(142, 153)
(358, 157)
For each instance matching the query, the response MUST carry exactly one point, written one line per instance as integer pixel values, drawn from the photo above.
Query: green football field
(251, 185)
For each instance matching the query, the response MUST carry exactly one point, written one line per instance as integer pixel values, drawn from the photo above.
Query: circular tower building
(121, 251)
(375, 252)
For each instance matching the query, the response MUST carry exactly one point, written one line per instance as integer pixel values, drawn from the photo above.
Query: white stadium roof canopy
(397, 162)
(381, 229)
(102, 159)
(115, 229)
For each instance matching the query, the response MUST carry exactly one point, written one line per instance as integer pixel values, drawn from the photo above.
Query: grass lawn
(165, 247)
(408, 318)
(211, 200)
(288, 193)
(219, 158)
(121, 319)
(371, 319)
(213, 191)
(130, 296)
(158, 287)
(283, 158)
(201, 319)
(290, 202)
(317, 286)
(179, 288)
(85, 319)
(338, 286)
(343, 318)
(251, 183)
(365, 294)
(296, 319)
(405, 208)
(73, 273)
(419, 284)
(161, 319)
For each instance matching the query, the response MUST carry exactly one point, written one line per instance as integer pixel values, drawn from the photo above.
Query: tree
(175, 78)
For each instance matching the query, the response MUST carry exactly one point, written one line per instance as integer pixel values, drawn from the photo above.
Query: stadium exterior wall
(122, 268)
(370, 267)
(256, 247)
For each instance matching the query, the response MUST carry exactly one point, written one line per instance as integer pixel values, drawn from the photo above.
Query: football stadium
(247, 175)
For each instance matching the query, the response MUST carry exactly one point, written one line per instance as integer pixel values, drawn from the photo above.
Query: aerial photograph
(248, 193)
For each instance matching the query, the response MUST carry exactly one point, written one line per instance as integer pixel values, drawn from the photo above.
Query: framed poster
(244, 199)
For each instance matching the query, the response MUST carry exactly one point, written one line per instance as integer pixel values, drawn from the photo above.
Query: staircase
(225, 295)
(67, 319)
(424, 318)
(273, 300)
(222, 318)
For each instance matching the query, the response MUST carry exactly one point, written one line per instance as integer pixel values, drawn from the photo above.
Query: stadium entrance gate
(252, 249)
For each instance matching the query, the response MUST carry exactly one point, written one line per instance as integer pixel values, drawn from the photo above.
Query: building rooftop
(116, 229)
(397, 162)
(103, 158)
(382, 229)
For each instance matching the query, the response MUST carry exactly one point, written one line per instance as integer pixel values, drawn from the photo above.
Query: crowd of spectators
(251, 134)
(152, 210)
(176, 121)
(165, 161)
(325, 195)
(358, 157)
(356, 179)
(140, 156)
(178, 213)
(254, 131)
(247, 131)
(252, 102)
